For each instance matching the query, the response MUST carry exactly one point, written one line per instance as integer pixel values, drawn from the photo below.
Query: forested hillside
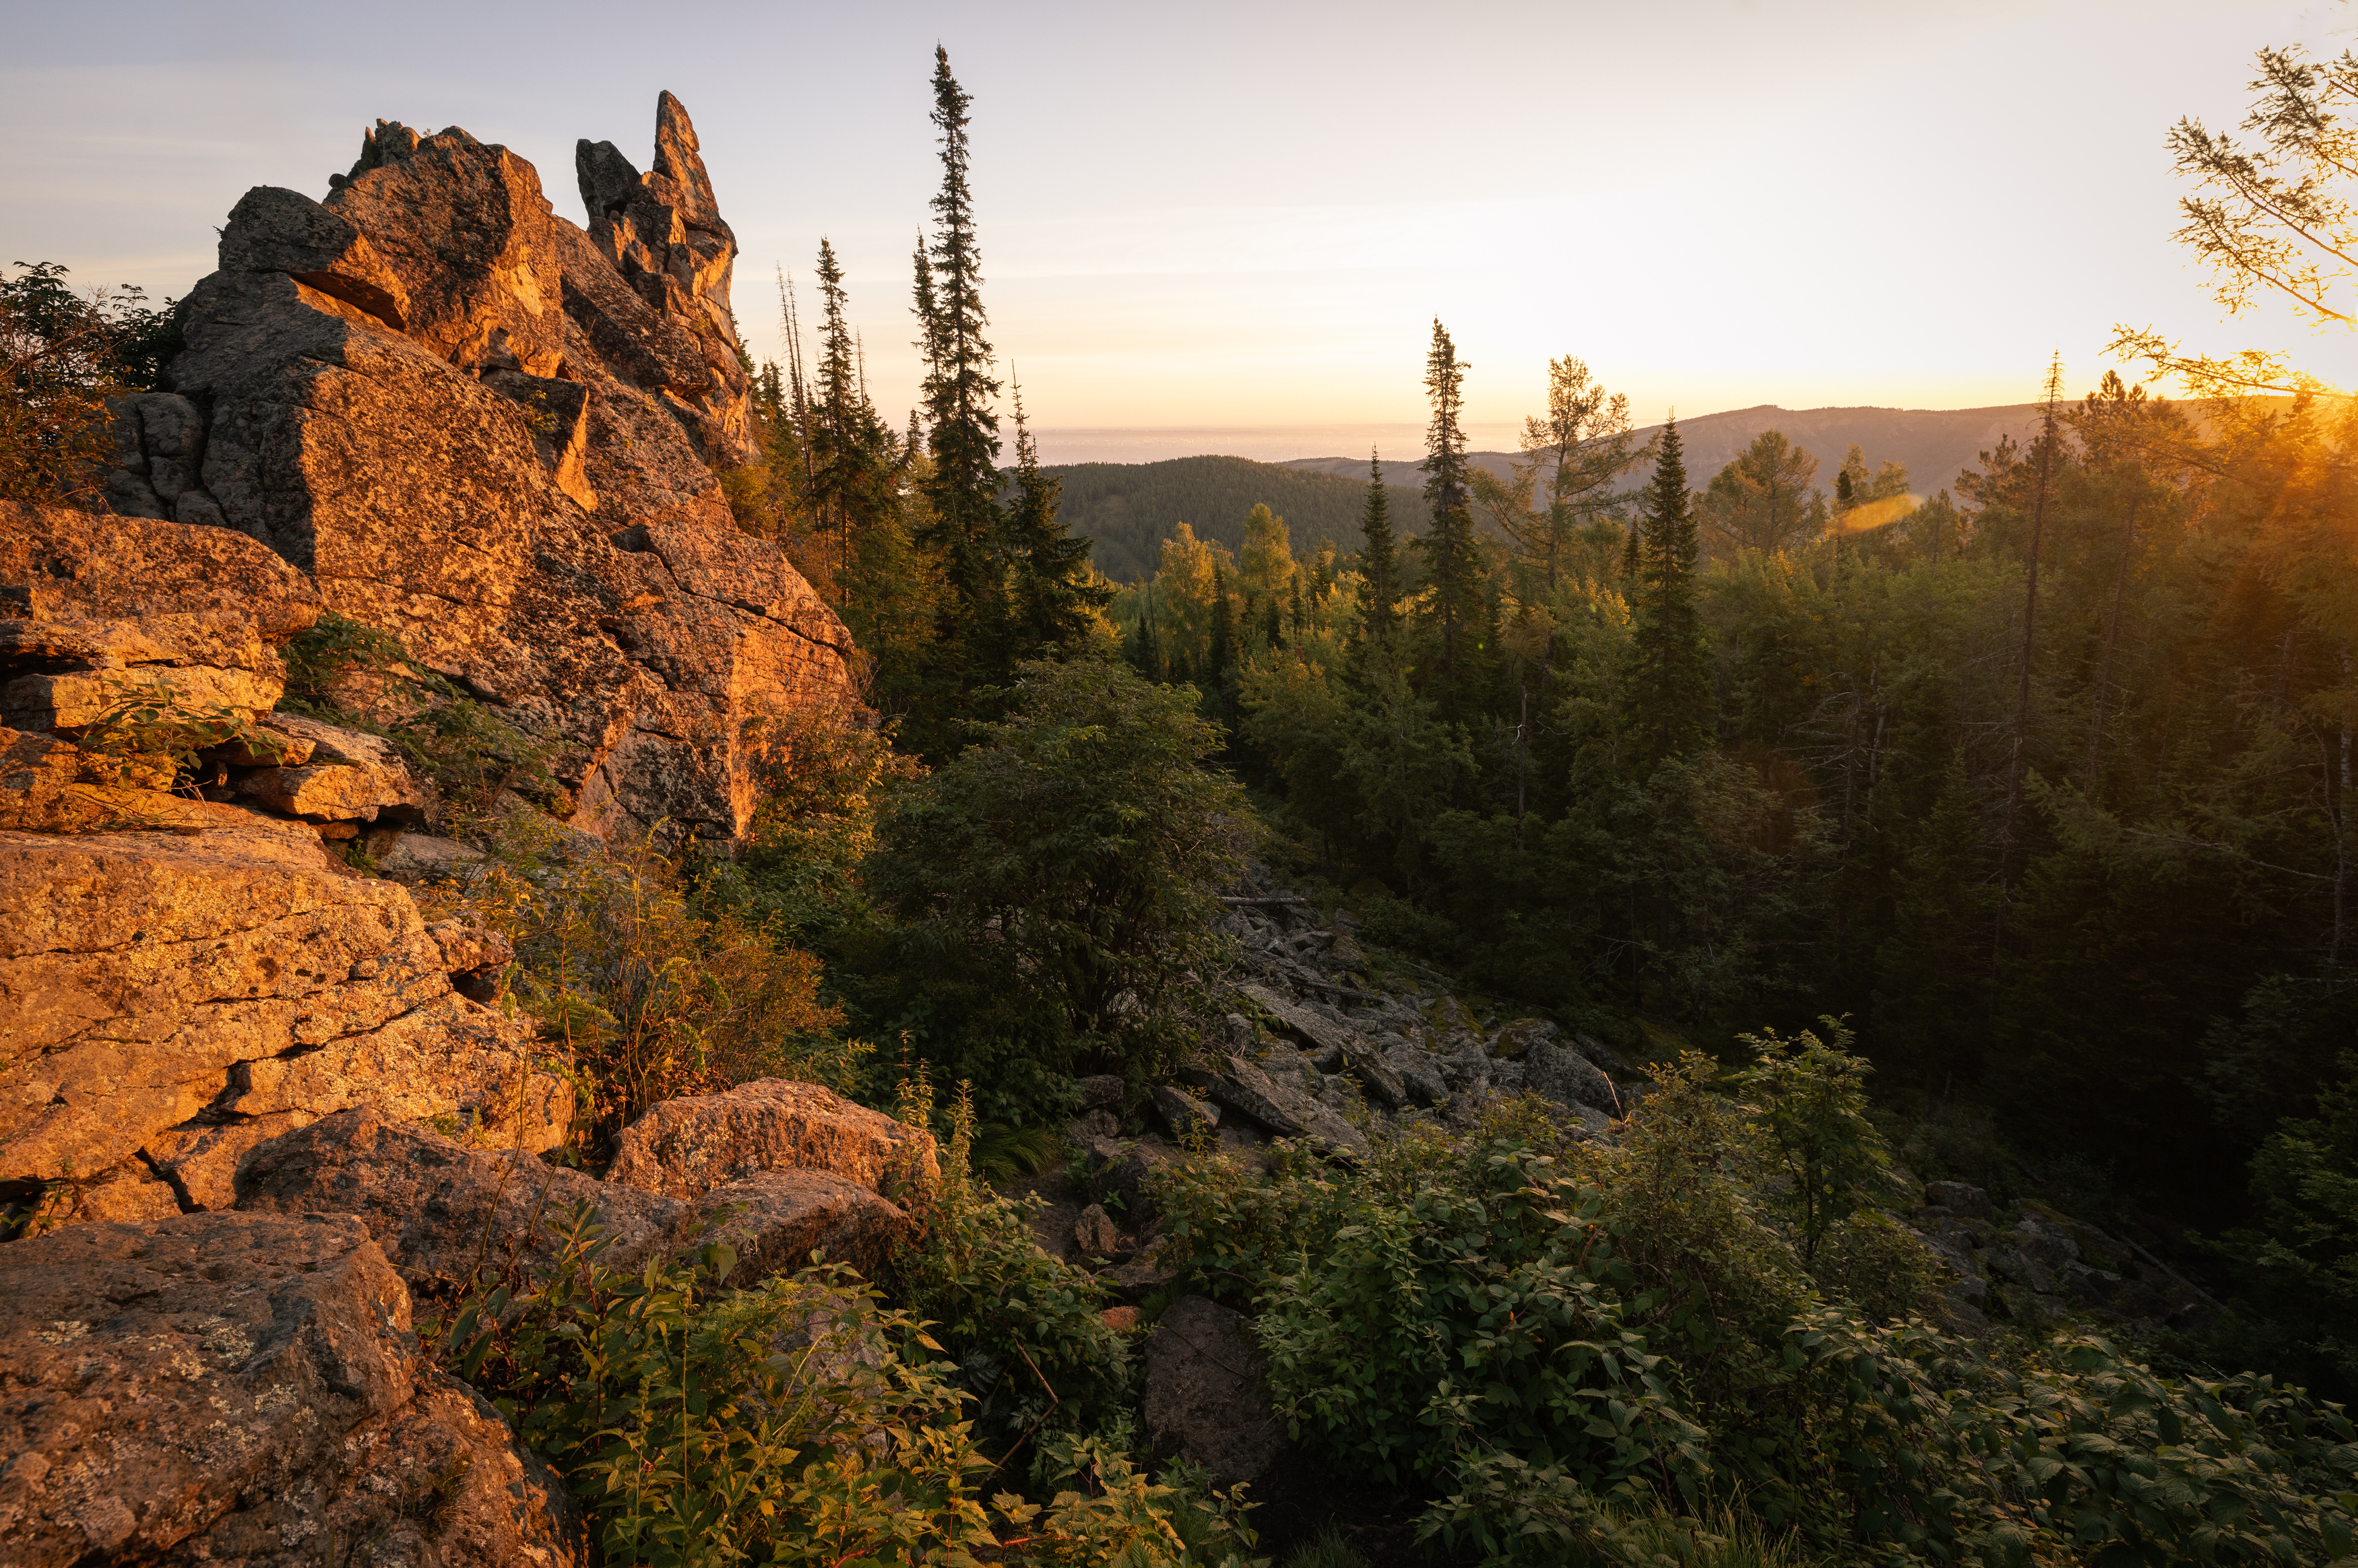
(2043, 788)
(1129, 509)
(1934, 445)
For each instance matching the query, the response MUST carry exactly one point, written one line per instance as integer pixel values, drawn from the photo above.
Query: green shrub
(1053, 886)
(649, 991)
(1594, 1359)
(795, 1422)
(1022, 1329)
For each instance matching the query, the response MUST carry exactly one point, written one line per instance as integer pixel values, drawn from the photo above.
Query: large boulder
(217, 1388)
(684, 1148)
(1571, 1080)
(449, 1214)
(521, 478)
(776, 1219)
(1207, 1398)
(170, 1001)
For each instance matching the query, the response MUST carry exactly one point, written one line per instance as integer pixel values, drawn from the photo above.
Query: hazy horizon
(1254, 214)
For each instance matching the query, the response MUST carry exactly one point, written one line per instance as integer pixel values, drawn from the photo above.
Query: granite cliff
(473, 425)
(256, 1100)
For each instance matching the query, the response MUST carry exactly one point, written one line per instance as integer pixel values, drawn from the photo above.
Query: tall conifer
(1054, 595)
(962, 426)
(1673, 695)
(1452, 554)
(1380, 557)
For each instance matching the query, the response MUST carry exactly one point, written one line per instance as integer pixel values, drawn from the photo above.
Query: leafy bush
(1022, 1328)
(653, 991)
(1054, 885)
(62, 356)
(782, 1423)
(1591, 1359)
(796, 1422)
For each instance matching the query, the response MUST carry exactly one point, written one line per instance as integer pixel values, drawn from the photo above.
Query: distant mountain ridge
(1129, 509)
(1934, 445)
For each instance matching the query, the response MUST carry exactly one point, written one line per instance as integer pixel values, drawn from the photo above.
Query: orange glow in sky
(1234, 216)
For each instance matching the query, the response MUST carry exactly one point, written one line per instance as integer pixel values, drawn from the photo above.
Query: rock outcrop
(239, 1388)
(167, 1001)
(94, 611)
(475, 425)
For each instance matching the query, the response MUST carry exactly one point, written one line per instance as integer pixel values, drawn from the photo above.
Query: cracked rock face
(497, 436)
(172, 1001)
(219, 1388)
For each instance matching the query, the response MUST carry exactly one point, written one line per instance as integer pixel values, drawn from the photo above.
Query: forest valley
(1998, 838)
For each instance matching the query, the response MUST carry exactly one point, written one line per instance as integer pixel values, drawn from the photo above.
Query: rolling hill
(1129, 508)
(1933, 444)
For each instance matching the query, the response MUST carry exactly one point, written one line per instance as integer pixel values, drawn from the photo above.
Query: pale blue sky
(1236, 215)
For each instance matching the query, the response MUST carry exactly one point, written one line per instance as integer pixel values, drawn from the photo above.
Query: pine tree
(2051, 440)
(962, 427)
(1453, 556)
(1674, 684)
(1380, 557)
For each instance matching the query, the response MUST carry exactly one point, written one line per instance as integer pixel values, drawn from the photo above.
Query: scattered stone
(1207, 1398)
(1266, 1098)
(418, 858)
(684, 1148)
(1183, 1115)
(1118, 1177)
(1570, 1079)
(1098, 1123)
(1361, 1061)
(1419, 1075)
(1094, 1236)
(1960, 1198)
(1154, 1269)
(1102, 1092)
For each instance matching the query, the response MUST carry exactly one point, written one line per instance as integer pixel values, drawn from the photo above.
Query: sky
(1230, 226)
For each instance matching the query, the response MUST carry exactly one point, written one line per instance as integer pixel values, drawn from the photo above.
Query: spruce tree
(962, 431)
(1673, 684)
(1053, 595)
(1380, 557)
(849, 449)
(1452, 554)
